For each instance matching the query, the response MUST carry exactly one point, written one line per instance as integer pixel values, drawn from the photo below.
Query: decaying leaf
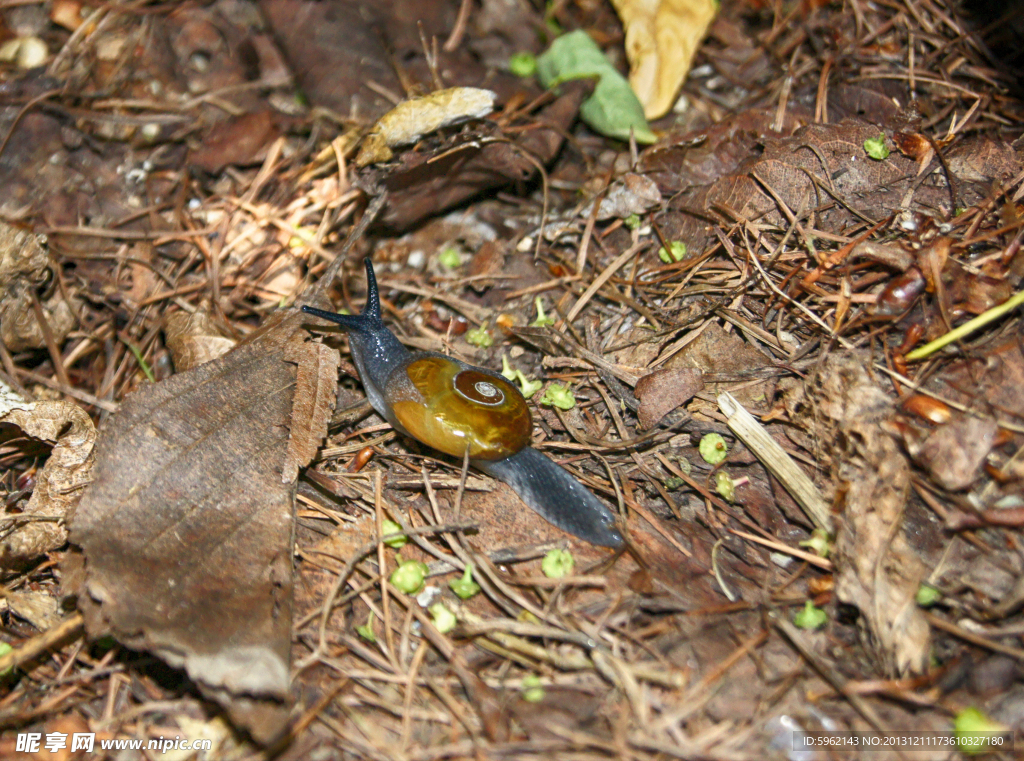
(954, 453)
(876, 569)
(662, 391)
(24, 267)
(41, 609)
(186, 531)
(630, 194)
(409, 121)
(662, 37)
(193, 339)
(59, 482)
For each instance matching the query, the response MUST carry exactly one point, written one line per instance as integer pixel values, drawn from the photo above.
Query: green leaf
(444, 619)
(532, 691)
(388, 528)
(927, 595)
(613, 109)
(557, 395)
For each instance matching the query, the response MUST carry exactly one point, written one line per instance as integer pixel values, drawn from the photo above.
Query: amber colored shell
(451, 406)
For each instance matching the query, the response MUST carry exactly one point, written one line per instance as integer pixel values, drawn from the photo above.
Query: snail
(454, 407)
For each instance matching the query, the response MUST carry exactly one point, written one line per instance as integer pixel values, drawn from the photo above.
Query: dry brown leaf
(186, 531)
(60, 481)
(662, 37)
(41, 609)
(954, 453)
(662, 391)
(876, 569)
(193, 339)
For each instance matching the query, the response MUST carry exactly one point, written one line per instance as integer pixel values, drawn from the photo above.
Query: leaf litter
(215, 533)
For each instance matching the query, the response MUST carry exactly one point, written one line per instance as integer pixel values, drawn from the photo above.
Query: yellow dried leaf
(661, 39)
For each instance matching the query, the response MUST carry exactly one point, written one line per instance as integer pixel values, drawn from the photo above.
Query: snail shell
(456, 407)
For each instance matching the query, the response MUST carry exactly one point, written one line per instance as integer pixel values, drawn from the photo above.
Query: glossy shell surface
(451, 406)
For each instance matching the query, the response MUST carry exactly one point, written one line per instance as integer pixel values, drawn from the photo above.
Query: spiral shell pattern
(454, 407)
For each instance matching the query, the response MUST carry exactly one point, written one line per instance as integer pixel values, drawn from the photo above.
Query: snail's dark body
(450, 406)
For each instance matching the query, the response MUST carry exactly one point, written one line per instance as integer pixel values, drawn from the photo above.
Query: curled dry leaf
(58, 484)
(876, 569)
(193, 339)
(662, 391)
(409, 121)
(662, 37)
(954, 453)
(24, 266)
(630, 194)
(186, 531)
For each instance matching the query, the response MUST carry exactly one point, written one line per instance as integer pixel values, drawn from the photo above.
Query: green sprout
(450, 258)
(479, 337)
(390, 527)
(366, 630)
(875, 148)
(819, 543)
(713, 448)
(542, 320)
(557, 395)
(409, 576)
(633, 221)
(444, 619)
(725, 486)
(528, 387)
(810, 617)
(532, 692)
(676, 252)
(465, 587)
(523, 64)
(507, 371)
(557, 564)
(927, 595)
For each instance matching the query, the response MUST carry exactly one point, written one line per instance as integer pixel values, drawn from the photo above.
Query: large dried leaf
(193, 339)
(876, 569)
(187, 530)
(60, 481)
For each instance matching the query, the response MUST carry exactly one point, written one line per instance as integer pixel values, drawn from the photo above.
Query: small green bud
(522, 64)
(409, 576)
(713, 448)
(465, 587)
(390, 527)
(366, 630)
(557, 564)
(725, 486)
(633, 221)
(542, 320)
(532, 692)
(810, 617)
(557, 395)
(927, 595)
(506, 369)
(875, 148)
(676, 252)
(819, 543)
(479, 337)
(450, 258)
(444, 619)
(527, 386)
